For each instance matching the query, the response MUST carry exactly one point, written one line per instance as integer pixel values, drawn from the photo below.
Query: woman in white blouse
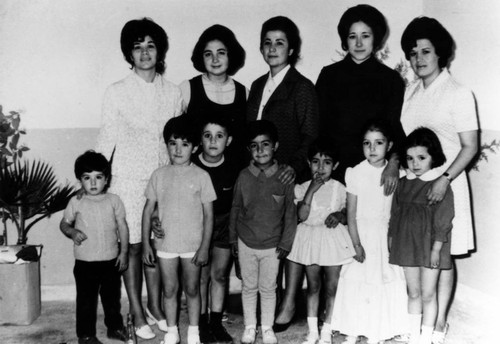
(438, 102)
(134, 113)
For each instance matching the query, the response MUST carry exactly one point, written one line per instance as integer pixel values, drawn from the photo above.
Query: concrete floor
(56, 325)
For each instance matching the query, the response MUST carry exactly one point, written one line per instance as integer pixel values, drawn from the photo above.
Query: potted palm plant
(29, 192)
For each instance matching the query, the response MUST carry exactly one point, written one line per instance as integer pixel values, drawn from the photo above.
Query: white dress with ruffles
(315, 243)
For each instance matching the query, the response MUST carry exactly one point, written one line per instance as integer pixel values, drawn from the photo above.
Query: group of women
(346, 95)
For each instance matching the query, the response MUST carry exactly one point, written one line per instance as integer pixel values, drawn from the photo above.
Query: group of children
(362, 243)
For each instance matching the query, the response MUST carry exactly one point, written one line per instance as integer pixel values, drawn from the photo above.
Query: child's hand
(282, 253)
(234, 250)
(360, 253)
(122, 261)
(156, 227)
(80, 193)
(201, 257)
(78, 236)
(316, 182)
(334, 219)
(148, 256)
(287, 175)
(435, 258)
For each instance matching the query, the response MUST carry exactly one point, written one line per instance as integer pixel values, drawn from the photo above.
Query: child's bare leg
(293, 276)
(313, 274)
(168, 270)
(332, 274)
(429, 295)
(204, 284)
(221, 257)
(412, 276)
(446, 286)
(153, 285)
(133, 283)
(191, 284)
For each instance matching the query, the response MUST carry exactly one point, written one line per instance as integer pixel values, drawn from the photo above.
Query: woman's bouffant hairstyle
(291, 31)
(323, 147)
(431, 29)
(136, 31)
(235, 52)
(91, 161)
(368, 15)
(424, 137)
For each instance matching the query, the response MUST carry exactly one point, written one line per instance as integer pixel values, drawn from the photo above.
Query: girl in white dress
(371, 297)
(322, 242)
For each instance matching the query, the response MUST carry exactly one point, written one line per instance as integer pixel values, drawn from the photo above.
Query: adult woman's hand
(390, 176)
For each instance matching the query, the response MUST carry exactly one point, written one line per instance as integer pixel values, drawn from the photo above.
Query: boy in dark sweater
(262, 228)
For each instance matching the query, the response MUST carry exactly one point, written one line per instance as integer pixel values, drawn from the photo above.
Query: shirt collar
(210, 164)
(278, 78)
(426, 177)
(268, 172)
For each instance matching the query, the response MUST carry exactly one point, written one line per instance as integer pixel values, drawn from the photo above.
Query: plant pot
(20, 301)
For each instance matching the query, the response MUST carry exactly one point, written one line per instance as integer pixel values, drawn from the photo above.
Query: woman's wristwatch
(447, 176)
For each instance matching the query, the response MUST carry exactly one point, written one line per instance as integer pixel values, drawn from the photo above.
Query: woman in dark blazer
(288, 99)
(285, 97)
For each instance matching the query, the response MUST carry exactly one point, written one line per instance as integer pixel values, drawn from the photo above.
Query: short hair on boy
(323, 147)
(261, 127)
(91, 161)
(431, 29)
(288, 27)
(218, 119)
(136, 31)
(424, 137)
(368, 15)
(235, 52)
(181, 127)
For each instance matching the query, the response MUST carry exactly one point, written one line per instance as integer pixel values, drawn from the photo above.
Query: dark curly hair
(323, 147)
(261, 127)
(91, 161)
(182, 127)
(291, 31)
(368, 15)
(136, 31)
(431, 29)
(235, 52)
(424, 137)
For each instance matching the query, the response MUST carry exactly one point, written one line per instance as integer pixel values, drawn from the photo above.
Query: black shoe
(89, 340)
(117, 334)
(220, 335)
(277, 328)
(205, 335)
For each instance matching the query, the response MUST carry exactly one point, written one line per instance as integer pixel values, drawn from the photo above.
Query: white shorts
(168, 255)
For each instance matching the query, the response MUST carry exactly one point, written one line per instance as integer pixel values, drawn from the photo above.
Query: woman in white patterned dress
(438, 102)
(134, 113)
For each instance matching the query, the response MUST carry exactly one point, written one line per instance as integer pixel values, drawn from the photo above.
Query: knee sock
(312, 323)
(415, 321)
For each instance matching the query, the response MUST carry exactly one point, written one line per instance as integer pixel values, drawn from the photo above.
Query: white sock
(426, 335)
(415, 321)
(172, 329)
(265, 327)
(250, 326)
(312, 323)
(193, 330)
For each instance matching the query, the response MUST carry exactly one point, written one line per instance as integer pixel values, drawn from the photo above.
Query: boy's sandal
(145, 332)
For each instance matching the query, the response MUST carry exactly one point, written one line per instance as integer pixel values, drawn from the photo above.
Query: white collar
(210, 164)
(426, 177)
(278, 78)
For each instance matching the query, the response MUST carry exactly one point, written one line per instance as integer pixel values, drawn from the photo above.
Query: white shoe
(326, 336)
(350, 340)
(312, 338)
(248, 336)
(145, 332)
(151, 320)
(402, 338)
(171, 338)
(268, 336)
(193, 339)
(439, 337)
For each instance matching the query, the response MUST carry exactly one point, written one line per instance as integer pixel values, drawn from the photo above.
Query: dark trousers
(93, 279)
